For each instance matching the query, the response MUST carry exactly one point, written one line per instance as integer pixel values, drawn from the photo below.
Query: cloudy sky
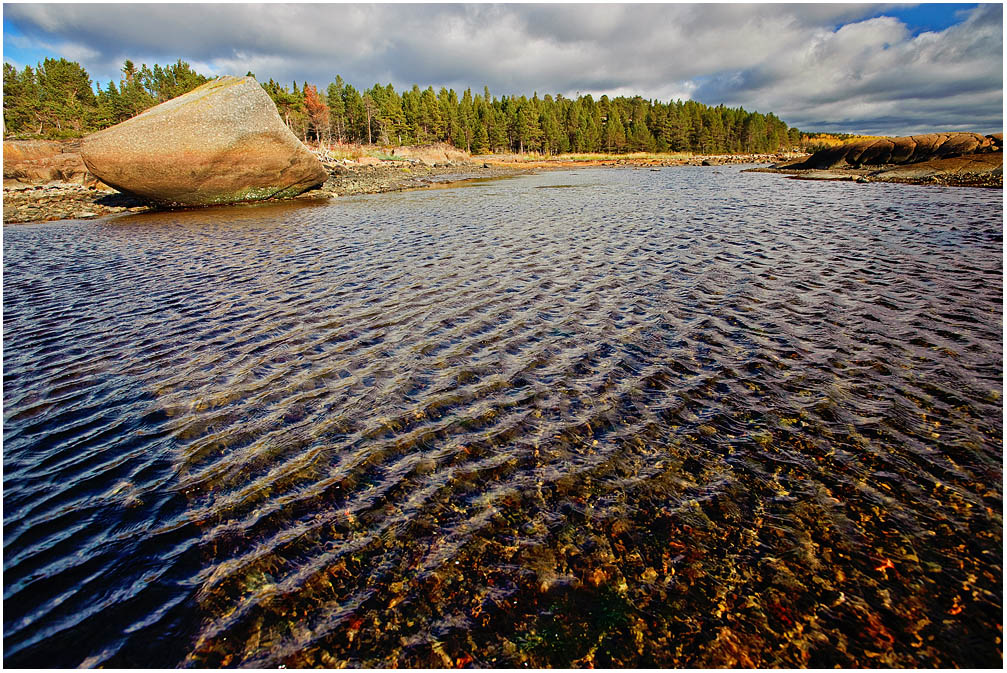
(863, 68)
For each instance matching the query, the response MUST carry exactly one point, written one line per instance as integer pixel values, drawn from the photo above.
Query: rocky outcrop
(220, 143)
(981, 169)
(949, 159)
(40, 162)
(903, 150)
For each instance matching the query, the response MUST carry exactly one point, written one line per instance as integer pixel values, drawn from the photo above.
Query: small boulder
(223, 142)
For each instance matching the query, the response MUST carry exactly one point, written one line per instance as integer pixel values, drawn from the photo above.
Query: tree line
(56, 99)
(482, 123)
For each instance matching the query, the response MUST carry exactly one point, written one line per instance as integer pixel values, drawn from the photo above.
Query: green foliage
(483, 123)
(57, 99)
(21, 104)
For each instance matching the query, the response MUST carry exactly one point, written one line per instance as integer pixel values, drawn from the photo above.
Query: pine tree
(525, 129)
(109, 107)
(615, 132)
(56, 99)
(415, 131)
(553, 138)
(447, 102)
(337, 108)
(466, 129)
(66, 98)
(496, 129)
(481, 142)
(431, 119)
(21, 106)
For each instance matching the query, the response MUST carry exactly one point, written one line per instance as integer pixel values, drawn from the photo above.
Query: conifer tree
(481, 142)
(431, 119)
(56, 99)
(21, 109)
(615, 132)
(496, 129)
(468, 125)
(525, 128)
(67, 101)
(447, 102)
(337, 109)
(357, 115)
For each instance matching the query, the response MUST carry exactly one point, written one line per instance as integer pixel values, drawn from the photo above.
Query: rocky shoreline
(86, 198)
(966, 173)
(24, 204)
(969, 179)
(417, 168)
(946, 159)
(393, 176)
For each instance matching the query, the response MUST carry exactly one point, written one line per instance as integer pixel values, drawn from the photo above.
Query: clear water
(688, 417)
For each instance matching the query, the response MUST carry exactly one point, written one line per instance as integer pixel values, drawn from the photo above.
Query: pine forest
(56, 99)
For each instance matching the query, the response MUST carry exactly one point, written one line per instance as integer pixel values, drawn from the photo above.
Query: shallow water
(688, 417)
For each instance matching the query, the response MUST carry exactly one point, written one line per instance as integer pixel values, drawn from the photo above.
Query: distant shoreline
(361, 170)
(376, 170)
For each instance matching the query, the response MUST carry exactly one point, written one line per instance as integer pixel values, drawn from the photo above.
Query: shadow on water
(676, 419)
(253, 212)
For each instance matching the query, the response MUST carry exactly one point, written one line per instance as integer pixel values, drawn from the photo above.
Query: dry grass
(536, 157)
(823, 140)
(339, 152)
(632, 156)
(426, 153)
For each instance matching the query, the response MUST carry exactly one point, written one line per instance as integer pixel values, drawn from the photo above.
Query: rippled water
(688, 417)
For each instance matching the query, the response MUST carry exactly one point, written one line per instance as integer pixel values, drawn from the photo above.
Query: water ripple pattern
(678, 418)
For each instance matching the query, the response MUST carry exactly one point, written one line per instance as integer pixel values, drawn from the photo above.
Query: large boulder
(223, 142)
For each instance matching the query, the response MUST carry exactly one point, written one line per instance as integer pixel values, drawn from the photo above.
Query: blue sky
(859, 68)
(17, 54)
(925, 17)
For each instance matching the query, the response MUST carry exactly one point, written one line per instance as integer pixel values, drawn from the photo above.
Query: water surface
(688, 417)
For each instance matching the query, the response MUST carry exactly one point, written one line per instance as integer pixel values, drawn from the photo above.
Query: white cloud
(874, 76)
(799, 61)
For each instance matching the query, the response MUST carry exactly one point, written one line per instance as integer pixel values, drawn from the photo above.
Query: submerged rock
(220, 143)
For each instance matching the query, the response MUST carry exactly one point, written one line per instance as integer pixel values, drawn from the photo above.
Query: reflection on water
(673, 418)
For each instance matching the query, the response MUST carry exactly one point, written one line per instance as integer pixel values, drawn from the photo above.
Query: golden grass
(536, 157)
(823, 140)
(351, 152)
(632, 156)
(357, 151)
